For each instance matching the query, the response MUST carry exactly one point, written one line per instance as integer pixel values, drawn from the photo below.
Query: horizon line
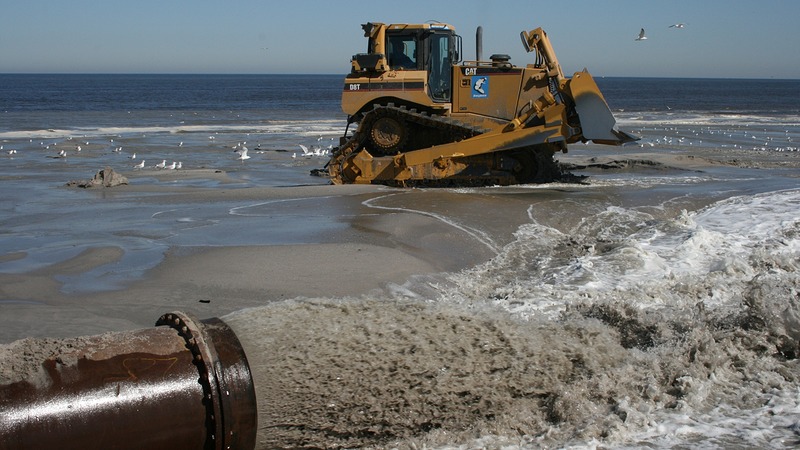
(343, 75)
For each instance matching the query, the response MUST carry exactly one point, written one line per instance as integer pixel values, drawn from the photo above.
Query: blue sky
(738, 39)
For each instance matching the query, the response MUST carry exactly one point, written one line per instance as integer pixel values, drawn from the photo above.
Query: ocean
(195, 117)
(672, 292)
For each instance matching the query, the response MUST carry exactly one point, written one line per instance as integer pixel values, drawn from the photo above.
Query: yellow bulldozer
(426, 117)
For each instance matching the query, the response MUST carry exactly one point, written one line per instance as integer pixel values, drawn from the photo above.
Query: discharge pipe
(185, 384)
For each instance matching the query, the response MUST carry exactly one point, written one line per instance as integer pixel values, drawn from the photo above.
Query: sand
(207, 282)
(403, 233)
(369, 253)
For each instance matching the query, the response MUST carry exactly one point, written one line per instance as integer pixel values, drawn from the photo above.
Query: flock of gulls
(737, 137)
(56, 151)
(643, 37)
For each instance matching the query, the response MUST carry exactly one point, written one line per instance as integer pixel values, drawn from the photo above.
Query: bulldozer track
(539, 165)
(453, 129)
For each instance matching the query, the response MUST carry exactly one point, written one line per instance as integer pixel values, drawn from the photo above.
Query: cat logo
(480, 87)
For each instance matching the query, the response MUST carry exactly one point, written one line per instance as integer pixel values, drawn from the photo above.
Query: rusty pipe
(184, 384)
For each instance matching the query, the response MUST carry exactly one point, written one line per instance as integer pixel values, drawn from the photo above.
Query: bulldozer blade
(597, 121)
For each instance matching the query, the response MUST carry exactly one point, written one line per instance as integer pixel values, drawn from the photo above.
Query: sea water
(669, 303)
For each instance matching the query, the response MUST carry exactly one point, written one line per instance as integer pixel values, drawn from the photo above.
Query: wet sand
(207, 282)
(381, 237)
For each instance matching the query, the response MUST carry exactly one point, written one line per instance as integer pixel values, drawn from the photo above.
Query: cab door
(440, 52)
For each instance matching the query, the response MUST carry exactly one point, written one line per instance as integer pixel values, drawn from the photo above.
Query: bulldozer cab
(432, 49)
(404, 57)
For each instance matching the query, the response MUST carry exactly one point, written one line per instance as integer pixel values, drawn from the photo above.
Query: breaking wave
(300, 127)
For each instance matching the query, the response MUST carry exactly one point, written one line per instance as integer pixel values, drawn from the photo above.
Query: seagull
(179, 166)
(139, 166)
(304, 149)
(641, 36)
(162, 164)
(678, 25)
(133, 156)
(242, 153)
(172, 166)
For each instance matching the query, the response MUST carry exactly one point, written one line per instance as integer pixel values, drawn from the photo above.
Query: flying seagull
(678, 25)
(641, 36)
(242, 154)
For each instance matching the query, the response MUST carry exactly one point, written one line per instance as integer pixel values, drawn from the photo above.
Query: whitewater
(706, 306)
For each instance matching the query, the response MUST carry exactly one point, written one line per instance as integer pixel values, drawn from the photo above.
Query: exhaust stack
(479, 44)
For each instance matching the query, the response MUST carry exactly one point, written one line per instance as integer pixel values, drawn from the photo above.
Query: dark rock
(103, 178)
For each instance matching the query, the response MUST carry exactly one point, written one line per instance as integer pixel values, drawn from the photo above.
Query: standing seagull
(641, 36)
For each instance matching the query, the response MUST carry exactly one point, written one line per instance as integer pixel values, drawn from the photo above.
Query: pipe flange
(203, 357)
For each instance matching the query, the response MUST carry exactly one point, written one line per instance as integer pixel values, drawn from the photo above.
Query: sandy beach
(377, 237)
(406, 318)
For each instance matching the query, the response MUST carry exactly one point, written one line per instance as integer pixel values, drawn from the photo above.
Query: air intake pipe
(185, 384)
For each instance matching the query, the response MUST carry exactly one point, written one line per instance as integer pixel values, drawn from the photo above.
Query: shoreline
(360, 240)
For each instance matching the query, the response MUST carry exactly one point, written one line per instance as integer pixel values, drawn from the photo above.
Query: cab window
(402, 52)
